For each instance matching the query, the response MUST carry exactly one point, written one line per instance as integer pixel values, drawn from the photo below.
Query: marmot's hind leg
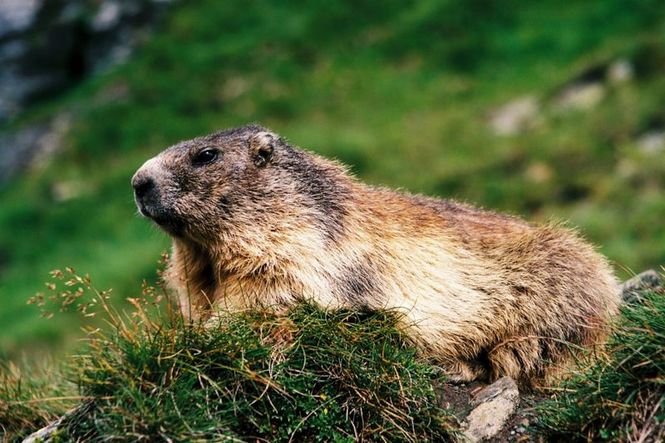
(461, 371)
(518, 358)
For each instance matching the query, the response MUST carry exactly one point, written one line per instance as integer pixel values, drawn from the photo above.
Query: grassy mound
(341, 377)
(309, 376)
(620, 397)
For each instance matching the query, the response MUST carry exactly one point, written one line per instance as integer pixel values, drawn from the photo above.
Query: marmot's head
(204, 188)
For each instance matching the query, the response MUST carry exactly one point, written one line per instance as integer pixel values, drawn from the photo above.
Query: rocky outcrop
(49, 45)
(31, 145)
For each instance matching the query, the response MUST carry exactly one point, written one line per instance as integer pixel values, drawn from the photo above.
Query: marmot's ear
(261, 147)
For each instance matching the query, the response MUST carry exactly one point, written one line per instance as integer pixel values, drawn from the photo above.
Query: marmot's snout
(149, 198)
(145, 193)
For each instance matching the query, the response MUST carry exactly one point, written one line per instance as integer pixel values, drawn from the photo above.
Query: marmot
(256, 221)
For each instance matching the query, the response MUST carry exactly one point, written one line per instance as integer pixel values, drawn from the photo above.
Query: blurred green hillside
(405, 92)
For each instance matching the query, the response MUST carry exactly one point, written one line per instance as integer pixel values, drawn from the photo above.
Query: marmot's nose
(142, 184)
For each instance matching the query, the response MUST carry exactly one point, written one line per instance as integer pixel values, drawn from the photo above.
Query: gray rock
(46, 434)
(652, 142)
(620, 71)
(32, 145)
(108, 16)
(580, 96)
(515, 116)
(494, 405)
(47, 46)
(632, 289)
(17, 15)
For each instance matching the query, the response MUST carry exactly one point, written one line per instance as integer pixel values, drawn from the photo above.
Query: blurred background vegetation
(545, 109)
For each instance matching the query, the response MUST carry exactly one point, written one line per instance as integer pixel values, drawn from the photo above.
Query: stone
(651, 142)
(515, 116)
(48, 433)
(494, 405)
(632, 289)
(108, 16)
(580, 96)
(17, 15)
(620, 71)
(45, 434)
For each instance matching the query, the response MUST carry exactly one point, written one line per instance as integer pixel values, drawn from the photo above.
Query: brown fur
(266, 224)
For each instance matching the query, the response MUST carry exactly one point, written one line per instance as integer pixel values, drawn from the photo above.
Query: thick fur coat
(257, 222)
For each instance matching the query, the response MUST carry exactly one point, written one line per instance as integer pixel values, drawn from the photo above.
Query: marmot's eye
(204, 157)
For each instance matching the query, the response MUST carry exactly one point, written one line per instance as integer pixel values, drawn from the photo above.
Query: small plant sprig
(70, 291)
(72, 296)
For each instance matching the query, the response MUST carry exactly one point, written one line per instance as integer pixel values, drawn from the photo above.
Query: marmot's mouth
(169, 224)
(143, 210)
(164, 219)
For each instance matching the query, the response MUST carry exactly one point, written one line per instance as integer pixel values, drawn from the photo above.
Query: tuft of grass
(31, 396)
(620, 397)
(308, 375)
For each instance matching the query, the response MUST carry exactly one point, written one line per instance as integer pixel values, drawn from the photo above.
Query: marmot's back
(498, 295)
(256, 221)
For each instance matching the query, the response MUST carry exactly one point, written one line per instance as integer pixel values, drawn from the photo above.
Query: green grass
(345, 377)
(400, 90)
(309, 376)
(32, 395)
(621, 396)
